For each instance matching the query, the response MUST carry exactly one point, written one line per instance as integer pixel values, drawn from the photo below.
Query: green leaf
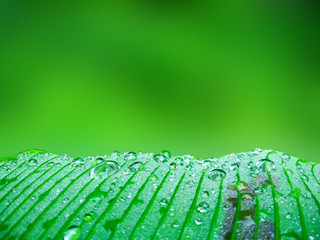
(254, 195)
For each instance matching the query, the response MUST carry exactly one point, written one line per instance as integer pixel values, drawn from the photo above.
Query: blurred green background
(202, 77)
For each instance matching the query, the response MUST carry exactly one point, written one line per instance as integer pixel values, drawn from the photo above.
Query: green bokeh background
(202, 77)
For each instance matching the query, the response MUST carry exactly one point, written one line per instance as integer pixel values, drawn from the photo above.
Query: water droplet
(154, 178)
(130, 156)
(288, 216)
(135, 166)
(205, 194)
(50, 164)
(98, 161)
(104, 170)
(175, 224)
(164, 202)
(179, 160)
(234, 166)
(250, 164)
(77, 162)
(198, 221)
(286, 157)
(32, 162)
(295, 192)
(72, 233)
(166, 153)
(266, 164)
(256, 151)
(203, 207)
(217, 174)
(173, 165)
(160, 158)
(88, 217)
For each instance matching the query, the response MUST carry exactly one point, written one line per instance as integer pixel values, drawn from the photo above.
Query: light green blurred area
(206, 78)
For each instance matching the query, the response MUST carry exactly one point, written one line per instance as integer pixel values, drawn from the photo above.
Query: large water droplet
(72, 233)
(203, 207)
(217, 174)
(104, 170)
(266, 165)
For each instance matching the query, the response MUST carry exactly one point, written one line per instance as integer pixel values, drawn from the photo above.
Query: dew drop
(175, 224)
(98, 161)
(203, 207)
(32, 162)
(77, 162)
(104, 170)
(166, 153)
(198, 221)
(217, 174)
(160, 158)
(154, 178)
(72, 233)
(179, 160)
(288, 216)
(173, 165)
(130, 156)
(135, 166)
(88, 217)
(164, 202)
(234, 166)
(50, 164)
(205, 194)
(250, 164)
(266, 164)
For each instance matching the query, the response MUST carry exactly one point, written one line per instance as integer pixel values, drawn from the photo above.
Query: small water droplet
(136, 166)
(50, 164)
(203, 207)
(217, 174)
(266, 165)
(32, 162)
(88, 217)
(77, 162)
(160, 158)
(173, 165)
(179, 160)
(288, 216)
(130, 156)
(154, 177)
(250, 164)
(98, 161)
(105, 169)
(205, 194)
(166, 153)
(164, 202)
(198, 221)
(72, 233)
(175, 224)
(234, 166)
